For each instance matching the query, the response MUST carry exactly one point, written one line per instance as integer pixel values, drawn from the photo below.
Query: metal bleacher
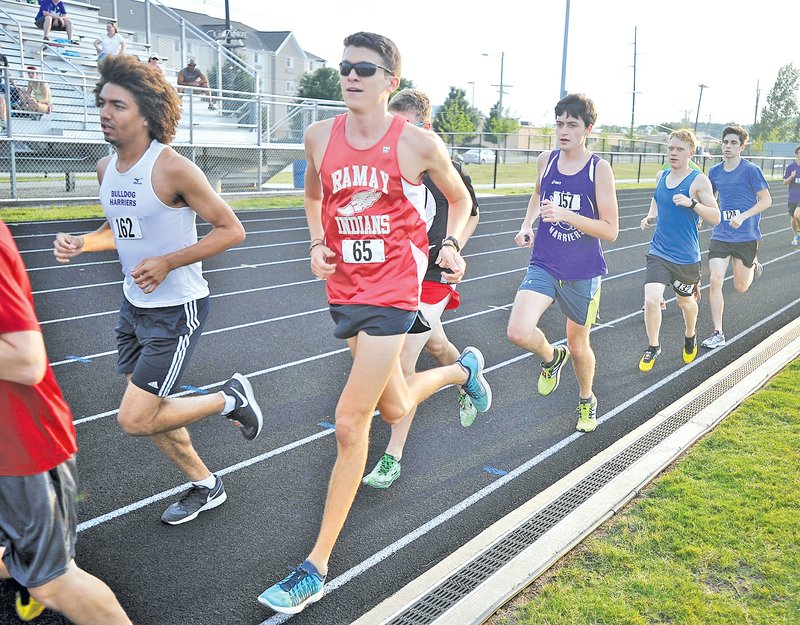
(240, 146)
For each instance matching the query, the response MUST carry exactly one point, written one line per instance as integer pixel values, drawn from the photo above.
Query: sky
(731, 46)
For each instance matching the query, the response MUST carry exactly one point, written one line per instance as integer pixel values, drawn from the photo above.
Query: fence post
(639, 172)
(13, 168)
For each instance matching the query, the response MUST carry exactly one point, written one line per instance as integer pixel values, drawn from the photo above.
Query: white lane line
(217, 331)
(206, 387)
(105, 518)
(383, 554)
(487, 490)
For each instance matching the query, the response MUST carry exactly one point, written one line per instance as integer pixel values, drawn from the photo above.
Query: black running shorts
(350, 319)
(682, 278)
(745, 251)
(155, 344)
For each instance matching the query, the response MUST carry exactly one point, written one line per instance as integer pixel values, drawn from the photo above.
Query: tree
(455, 117)
(780, 120)
(499, 123)
(322, 84)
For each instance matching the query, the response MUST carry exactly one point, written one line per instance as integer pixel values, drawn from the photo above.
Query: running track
(269, 321)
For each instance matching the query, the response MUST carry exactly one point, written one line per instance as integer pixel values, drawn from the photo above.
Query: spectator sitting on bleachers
(153, 61)
(36, 96)
(53, 15)
(191, 76)
(110, 43)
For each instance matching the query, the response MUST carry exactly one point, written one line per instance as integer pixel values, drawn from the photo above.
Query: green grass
(715, 541)
(46, 213)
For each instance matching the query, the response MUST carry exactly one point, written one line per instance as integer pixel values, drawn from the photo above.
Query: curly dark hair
(157, 100)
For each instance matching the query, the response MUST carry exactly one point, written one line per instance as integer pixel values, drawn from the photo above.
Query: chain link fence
(248, 143)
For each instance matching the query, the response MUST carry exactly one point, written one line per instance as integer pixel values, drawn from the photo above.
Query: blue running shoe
(476, 385)
(292, 594)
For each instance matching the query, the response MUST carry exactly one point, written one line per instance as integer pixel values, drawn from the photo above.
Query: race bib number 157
(363, 251)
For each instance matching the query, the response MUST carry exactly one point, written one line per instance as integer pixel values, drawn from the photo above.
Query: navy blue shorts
(38, 521)
(682, 278)
(155, 344)
(350, 319)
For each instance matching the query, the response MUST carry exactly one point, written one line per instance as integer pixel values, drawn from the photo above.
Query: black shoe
(196, 500)
(246, 413)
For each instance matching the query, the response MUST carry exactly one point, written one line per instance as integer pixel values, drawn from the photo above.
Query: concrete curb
(518, 573)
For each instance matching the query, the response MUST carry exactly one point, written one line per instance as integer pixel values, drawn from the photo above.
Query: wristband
(452, 241)
(314, 244)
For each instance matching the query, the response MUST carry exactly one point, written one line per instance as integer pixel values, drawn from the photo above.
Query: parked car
(481, 156)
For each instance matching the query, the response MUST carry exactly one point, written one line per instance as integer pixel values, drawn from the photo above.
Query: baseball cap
(155, 56)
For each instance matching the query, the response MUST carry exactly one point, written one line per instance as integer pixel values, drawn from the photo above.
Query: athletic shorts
(38, 521)
(435, 292)
(682, 278)
(350, 319)
(578, 299)
(745, 251)
(56, 25)
(792, 207)
(155, 344)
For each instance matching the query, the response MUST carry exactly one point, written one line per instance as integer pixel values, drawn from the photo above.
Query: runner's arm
(22, 357)
(524, 238)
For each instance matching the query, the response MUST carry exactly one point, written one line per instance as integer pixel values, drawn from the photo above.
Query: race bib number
(567, 200)
(126, 228)
(728, 215)
(363, 251)
(683, 288)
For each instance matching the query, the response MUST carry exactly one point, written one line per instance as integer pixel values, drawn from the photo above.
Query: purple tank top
(558, 248)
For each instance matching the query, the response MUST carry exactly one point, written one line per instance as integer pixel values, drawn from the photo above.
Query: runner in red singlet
(365, 214)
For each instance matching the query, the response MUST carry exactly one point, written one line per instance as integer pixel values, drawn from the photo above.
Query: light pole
(697, 116)
(564, 55)
(472, 103)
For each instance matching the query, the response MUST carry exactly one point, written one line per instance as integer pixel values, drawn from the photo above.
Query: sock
(654, 348)
(230, 404)
(556, 356)
(208, 482)
(309, 566)
(581, 400)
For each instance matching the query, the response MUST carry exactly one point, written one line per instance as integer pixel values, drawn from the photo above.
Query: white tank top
(144, 226)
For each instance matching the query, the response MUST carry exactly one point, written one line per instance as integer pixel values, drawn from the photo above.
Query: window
(290, 88)
(289, 62)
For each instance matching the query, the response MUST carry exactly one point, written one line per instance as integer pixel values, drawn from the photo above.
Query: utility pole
(564, 55)
(633, 98)
(758, 96)
(697, 116)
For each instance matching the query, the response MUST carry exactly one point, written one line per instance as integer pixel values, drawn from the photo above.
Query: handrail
(229, 56)
(19, 30)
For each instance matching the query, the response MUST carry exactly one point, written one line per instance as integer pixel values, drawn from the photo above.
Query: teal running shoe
(466, 410)
(384, 474)
(292, 594)
(476, 385)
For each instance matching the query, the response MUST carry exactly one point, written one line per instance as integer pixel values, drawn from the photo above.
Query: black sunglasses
(362, 68)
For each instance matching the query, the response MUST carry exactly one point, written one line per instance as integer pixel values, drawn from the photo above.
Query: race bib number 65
(363, 251)
(126, 228)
